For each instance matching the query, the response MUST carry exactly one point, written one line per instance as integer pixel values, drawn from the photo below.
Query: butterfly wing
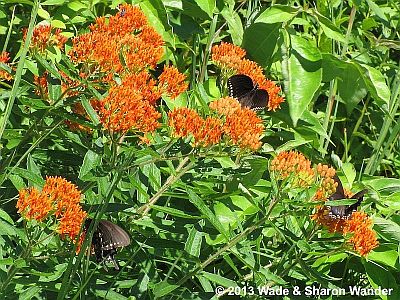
(259, 100)
(107, 237)
(360, 197)
(338, 211)
(343, 211)
(239, 86)
(113, 235)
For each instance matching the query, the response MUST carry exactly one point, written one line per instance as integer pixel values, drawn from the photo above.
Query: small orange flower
(209, 133)
(43, 37)
(363, 238)
(34, 205)
(172, 82)
(184, 121)
(41, 85)
(127, 108)
(328, 185)
(225, 106)
(4, 58)
(244, 128)
(358, 227)
(227, 55)
(61, 192)
(71, 221)
(121, 44)
(58, 196)
(292, 162)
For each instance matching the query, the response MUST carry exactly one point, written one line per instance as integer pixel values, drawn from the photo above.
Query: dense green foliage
(200, 218)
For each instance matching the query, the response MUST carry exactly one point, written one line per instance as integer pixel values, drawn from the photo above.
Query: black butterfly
(246, 92)
(107, 237)
(344, 211)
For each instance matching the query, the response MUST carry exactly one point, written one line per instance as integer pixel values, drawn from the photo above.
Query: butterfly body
(246, 92)
(107, 237)
(344, 211)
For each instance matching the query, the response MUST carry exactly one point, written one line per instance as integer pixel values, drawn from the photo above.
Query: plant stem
(180, 170)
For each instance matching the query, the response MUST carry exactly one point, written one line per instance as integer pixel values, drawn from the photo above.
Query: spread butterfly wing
(107, 237)
(243, 89)
(344, 211)
(259, 100)
(113, 235)
(360, 197)
(239, 85)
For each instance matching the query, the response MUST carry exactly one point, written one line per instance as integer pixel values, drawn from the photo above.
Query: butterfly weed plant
(134, 164)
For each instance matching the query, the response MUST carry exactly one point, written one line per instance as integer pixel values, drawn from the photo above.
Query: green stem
(180, 170)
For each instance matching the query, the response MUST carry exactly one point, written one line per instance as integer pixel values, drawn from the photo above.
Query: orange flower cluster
(172, 82)
(358, 227)
(225, 106)
(328, 185)
(42, 88)
(129, 106)
(120, 44)
(4, 58)
(244, 128)
(44, 37)
(230, 58)
(58, 197)
(187, 122)
(289, 163)
(124, 46)
(241, 126)
(363, 238)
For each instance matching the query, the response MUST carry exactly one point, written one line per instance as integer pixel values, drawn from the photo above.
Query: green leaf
(109, 294)
(258, 165)
(7, 229)
(341, 202)
(226, 162)
(33, 178)
(208, 6)
(350, 172)
(234, 24)
(330, 30)
(376, 85)
(90, 111)
(157, 17)
(259, 40)
(388, 228)
(303, 78)
(218, 279)
(277, 14)
(203, 208)
(351, 84)
(175, 212)
(30, 292)
(377, 10)
(188, 7)
(380, 277)
(163, 288)
(53, 2)
(90, 161)
(193, 242)
(385, 255)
